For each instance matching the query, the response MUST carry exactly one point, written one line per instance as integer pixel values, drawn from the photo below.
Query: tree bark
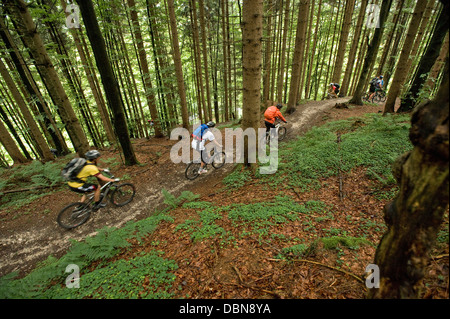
(298, 57)
(10, 146)
(427, 60)
(401, 72)
(28, 30)
(252, 21)
(145, 69)
(44, 150)
(371, 53)
(345, 87)
(415, 215)
(109, 81)
(178, 66)
(350, 4)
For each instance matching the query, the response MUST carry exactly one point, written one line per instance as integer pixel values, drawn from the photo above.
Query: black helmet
(381, 76)
(91, 155)
(279, 105)
(211, 124)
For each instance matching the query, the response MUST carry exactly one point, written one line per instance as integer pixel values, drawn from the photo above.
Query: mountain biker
(334, 89)
(376, 85)
(200, 136)
(90, 169)
(271, 114)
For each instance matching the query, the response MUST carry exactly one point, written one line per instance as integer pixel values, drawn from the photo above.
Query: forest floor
(28, 236)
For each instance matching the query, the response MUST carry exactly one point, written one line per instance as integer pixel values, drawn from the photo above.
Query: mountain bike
(217, 160)
(280, 133)
(76, 214)
(379, 96)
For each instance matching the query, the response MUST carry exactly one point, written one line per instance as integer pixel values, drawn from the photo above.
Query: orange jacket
(272, 113)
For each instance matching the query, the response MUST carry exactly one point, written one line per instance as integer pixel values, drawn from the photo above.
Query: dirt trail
(33, 241)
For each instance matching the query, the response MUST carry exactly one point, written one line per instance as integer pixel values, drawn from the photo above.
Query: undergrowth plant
(36, 178)
(374, 143)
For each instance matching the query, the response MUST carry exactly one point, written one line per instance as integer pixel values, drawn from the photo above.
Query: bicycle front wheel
(123, 194)
(191, 172)
(218, 160)
(73, 215)
(282, 131)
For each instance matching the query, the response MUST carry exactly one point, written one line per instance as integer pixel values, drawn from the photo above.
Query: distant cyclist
(90, 169)
(376, 84)
(271, 114)
(334, 89)
(200, 136)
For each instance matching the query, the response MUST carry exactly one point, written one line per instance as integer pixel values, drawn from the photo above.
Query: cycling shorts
(85, 188)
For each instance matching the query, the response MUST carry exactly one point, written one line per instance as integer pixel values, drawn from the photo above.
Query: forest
(119, 76)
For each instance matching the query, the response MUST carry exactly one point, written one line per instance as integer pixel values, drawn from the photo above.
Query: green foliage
(145, 276)
(100, 248)
(174, 202)
(328, 243)
(237, 179)
(204, 226)
(259, 217)
(344, 241)
(34, 175)
(375, 145)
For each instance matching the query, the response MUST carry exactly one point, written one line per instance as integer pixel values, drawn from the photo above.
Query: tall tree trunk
(281, 73)
(371, 53)
(390, 36)
(29, 119)
(178, 66)
(109, 81)
(252, 21)
(345, 87)
(205, 56)
(4, 117)
(10, 146)
(415, 215)
(145, 69)
(226, 68)
(33, 91)
(298, 57)
(26, 27)
(401, 72)
(198, 62)
(427, 60)
(350, 4)
(437, 67)
(269, 39)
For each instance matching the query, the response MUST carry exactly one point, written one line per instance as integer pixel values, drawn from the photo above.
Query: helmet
(211, 124)
(381, 76)
(91, 155)
(279, 105)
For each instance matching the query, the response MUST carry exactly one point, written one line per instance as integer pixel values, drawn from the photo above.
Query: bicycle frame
(107, 186)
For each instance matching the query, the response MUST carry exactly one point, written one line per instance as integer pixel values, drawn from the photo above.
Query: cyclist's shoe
(99, 205)
(202, 171)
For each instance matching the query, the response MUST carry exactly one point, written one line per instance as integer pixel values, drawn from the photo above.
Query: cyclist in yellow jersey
(90, 169)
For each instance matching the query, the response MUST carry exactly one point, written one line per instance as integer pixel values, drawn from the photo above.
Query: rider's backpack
(71, 170)
(373, 82)
(198, 133)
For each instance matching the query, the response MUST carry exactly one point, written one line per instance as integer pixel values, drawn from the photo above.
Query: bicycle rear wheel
(123, 194)
(191, 172)
(365, 97)
(74, 215)
(218, 160)
(282, 131)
